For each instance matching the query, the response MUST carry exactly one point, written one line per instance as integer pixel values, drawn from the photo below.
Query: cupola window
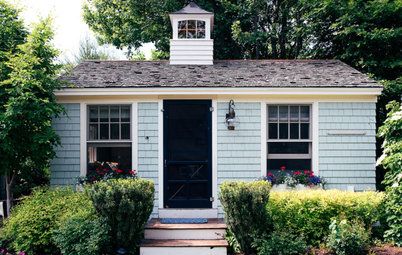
(191, 29)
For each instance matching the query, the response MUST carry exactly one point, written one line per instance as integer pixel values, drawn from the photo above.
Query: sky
(68, 23)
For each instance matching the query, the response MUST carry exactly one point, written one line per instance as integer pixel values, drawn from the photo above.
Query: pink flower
(270, 174)
(283, 168)
(119, 171)
(297, 173)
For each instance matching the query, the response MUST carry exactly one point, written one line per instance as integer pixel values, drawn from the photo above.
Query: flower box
(283, 187)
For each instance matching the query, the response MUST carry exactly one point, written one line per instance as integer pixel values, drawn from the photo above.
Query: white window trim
(314, 132)
(83, 131)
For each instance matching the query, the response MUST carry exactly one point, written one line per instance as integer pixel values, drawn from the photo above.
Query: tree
(29, 104)
(132, 23)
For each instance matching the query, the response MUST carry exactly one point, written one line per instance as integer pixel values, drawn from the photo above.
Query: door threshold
(188, 213)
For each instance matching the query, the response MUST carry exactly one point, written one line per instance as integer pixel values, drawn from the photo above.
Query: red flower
(297, 173)
(270, 174)
(132, 172)
(119, 171)
(283, 168)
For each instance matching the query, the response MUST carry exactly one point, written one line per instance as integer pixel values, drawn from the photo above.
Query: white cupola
(191, 43)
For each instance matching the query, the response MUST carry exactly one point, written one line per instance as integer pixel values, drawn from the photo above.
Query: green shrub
(32, 223)
(310, 213)
(393, 212)
(348, 238)
(245, 214)
(126, 205)
(82, 234)
(281, 243)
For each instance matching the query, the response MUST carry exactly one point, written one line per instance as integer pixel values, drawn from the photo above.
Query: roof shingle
(224, 73)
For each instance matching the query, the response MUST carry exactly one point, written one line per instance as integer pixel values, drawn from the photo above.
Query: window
(289, 137)
(191, 29)
(109, 135)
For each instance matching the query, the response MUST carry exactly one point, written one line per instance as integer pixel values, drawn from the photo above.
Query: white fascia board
(216, 91)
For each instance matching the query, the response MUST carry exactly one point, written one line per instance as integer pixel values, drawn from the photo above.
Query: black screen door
(187, 154)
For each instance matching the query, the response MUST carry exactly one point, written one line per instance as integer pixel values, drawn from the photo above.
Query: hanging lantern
(231, 120)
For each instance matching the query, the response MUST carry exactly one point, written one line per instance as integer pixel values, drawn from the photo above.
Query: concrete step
(188, 213)
(215, 229)
(183, 247)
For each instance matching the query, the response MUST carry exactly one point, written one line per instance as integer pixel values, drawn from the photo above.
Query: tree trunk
(9, 195)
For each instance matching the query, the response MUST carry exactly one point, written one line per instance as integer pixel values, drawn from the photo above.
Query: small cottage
(192, 122)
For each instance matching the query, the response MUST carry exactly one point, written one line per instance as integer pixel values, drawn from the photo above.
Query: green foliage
(27, 138)
(135, 22)
(33, 222)
(391, 132)
(244, 207)
(158, 55)
(281, 243)
(126, 205)
(309, 213)
(348, 238)
(12, 34)
(82, 234)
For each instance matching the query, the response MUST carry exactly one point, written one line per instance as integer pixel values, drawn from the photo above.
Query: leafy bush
(310, 213)
(281, 243)
(391, 159)
(32, 223)
(244, 207)
(82, 234)
(126, 205)
(348, 238)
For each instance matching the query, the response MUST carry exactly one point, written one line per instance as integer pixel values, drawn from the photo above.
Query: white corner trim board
(216, 91)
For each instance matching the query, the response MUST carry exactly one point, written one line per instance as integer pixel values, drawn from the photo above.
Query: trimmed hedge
(309, 213)
(245, 213)
(126, 205)
(33, 222)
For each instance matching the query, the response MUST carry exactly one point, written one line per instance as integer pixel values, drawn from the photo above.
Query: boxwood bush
(126, 205)
(82, 234)
(244, 206)
(309, 213)
(33, 222)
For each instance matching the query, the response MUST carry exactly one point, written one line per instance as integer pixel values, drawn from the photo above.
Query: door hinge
(211, 109)
(211, 199)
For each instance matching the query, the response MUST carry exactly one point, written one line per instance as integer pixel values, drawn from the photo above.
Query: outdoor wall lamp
(231, 120)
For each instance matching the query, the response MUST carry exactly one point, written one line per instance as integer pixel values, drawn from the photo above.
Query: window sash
(289, 121)
(195, 31)
(109, 123)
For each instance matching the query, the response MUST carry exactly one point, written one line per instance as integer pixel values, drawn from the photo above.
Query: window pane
(283, 113)
(125, 131)
(93, 132)
(304, 131)
(182, 25)
(191, 24)
(104, 153)
(288, 148)
(272, 113)
(294, 113)
(289, 164)
(182, 34)
(125, 114)
(200, 24)
(304, 113)
(191, 34)
(273, 131)
(294, 130)
(104, 131)
(104, 113)
(93, 114)
(283, 131)
(114, 131)
(200, 33)
(114, 113)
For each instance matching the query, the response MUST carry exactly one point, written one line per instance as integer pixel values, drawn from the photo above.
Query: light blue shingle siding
(148, 148)
(65, 167)
(347, 160)
(239, 150)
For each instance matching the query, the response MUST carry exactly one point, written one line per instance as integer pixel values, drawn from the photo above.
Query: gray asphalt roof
(192, 8)
(224, 73)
